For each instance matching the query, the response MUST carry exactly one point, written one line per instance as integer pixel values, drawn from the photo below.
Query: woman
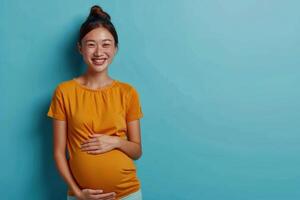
(97, 119)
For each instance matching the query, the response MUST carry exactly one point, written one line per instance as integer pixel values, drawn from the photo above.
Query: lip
(99, 61)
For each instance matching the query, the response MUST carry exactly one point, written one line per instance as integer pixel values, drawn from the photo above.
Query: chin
(98, 68)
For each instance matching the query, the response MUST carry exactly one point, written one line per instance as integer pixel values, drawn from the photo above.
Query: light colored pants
(133, 196)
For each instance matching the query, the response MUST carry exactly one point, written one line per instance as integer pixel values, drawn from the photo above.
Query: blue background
(218, 81)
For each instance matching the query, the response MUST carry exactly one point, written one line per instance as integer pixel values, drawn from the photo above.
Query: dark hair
(97, 18)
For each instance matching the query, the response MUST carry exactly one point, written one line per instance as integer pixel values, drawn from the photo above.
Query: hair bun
(96, 11)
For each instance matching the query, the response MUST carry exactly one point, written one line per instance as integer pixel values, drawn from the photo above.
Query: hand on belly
(100, 143)
(92, 194)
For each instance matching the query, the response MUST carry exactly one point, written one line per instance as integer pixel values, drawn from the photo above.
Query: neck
(96, 79)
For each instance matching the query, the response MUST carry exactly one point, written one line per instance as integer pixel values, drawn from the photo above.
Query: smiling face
(98, 49)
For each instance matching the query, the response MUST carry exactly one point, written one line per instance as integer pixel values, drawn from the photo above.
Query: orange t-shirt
(106, 110)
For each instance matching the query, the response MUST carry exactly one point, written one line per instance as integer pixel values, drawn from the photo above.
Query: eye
(90, 44)
(106, 44)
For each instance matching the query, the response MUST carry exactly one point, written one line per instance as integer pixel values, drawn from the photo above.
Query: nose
(98, 50)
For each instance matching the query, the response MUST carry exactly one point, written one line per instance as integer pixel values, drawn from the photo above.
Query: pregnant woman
(97, 119)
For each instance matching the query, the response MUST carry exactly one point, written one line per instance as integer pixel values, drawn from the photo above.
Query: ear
(79, 47)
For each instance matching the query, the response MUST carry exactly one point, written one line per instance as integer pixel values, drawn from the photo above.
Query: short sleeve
(57, 108)
(134, 109)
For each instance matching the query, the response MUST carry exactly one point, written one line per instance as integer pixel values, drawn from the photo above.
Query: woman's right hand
(89, 194)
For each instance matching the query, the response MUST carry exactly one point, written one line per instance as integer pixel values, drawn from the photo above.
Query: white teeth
(99, 61)
(99, 58)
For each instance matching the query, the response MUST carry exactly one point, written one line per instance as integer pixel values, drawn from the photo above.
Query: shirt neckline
(104, 88)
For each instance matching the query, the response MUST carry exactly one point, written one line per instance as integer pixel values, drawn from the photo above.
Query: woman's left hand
(100, 143)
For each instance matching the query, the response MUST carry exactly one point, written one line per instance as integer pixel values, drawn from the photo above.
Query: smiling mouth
(98, 61)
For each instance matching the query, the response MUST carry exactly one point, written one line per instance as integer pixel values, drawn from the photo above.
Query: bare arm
(60, 140)
(101, 143)
(132, 147)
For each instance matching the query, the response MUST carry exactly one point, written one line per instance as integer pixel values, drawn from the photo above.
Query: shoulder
(65, 86)
(126, 87)
(129, 91)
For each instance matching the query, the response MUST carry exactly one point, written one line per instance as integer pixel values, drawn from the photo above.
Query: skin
(100, 44)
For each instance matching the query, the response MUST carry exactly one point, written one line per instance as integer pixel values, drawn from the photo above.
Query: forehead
(98, 34)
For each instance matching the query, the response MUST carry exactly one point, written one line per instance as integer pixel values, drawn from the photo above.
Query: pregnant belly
(110, 171)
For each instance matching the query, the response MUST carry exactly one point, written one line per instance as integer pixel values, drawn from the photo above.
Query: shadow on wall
(54, 186)
(71, 64)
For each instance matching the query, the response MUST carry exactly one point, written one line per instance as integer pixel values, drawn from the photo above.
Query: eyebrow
(102, 40)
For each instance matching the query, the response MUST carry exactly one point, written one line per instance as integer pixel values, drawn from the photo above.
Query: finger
(104, 196)
(89, 144)
(97, 135)
(89, 140)
(94, 152)
(92, 148)
(107, 198)
(94, 192)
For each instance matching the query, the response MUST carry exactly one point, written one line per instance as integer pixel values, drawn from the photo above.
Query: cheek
(111, 52)
(87, 53)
